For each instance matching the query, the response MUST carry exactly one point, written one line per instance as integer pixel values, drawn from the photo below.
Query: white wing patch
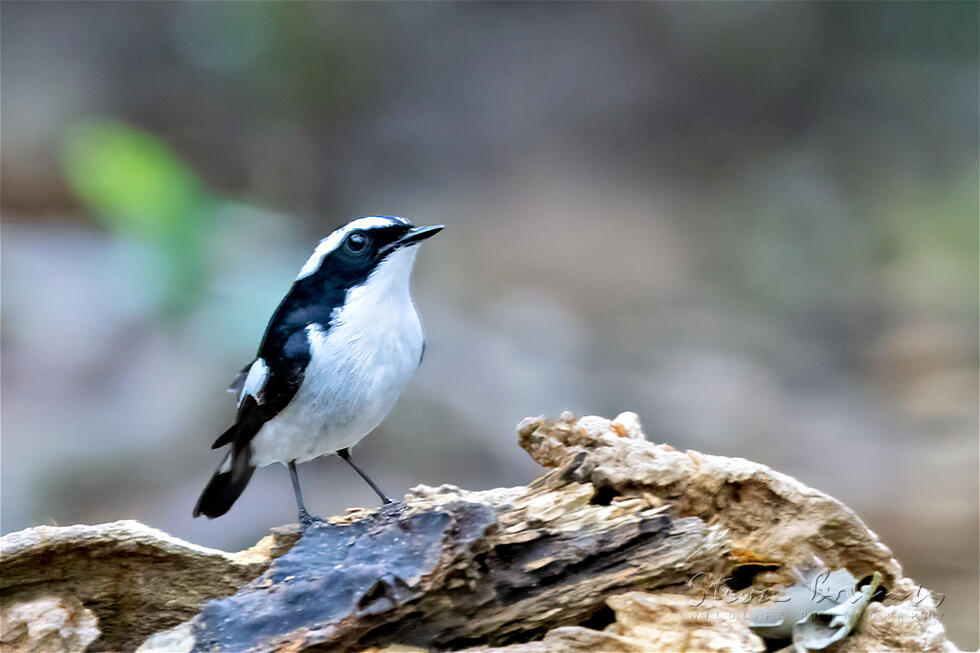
(331, 242)
(255, 381)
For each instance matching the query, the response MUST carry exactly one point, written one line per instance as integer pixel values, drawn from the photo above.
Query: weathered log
(623, 545)
(134, 579)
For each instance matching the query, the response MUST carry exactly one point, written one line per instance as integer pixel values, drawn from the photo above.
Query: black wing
(285, 364)
(285, 350)
(264, 396)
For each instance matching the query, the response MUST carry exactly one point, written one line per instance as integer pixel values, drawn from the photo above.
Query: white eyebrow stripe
(331, 242)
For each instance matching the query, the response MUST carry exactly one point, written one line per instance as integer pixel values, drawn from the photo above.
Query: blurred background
(753, 224)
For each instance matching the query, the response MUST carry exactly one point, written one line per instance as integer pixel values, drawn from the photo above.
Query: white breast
(357, 370)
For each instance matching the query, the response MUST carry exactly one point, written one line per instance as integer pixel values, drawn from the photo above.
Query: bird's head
(366, 247)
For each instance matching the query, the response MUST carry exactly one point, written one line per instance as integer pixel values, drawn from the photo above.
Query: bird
(336, 355)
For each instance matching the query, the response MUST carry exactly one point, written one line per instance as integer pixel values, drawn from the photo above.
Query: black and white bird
(335, 357)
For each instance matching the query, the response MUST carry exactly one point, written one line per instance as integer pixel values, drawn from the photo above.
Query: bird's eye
(357, 242)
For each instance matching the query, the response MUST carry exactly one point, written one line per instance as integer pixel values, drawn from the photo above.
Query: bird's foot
(306, 520)
(390, 507)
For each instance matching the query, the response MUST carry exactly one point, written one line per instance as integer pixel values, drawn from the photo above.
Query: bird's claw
(306, 520)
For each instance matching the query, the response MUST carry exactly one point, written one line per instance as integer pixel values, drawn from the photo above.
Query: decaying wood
(448, 568)
(623, 545)
(136, 580)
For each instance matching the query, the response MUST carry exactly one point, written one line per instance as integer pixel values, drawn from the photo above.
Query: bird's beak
(417, 234)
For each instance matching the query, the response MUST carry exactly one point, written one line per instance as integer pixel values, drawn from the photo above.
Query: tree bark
(622, 545)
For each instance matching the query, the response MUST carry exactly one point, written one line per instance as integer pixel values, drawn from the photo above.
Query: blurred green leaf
(130, 178)
(137, 185)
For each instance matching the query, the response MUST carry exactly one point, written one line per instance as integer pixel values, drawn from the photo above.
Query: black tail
(225, 486)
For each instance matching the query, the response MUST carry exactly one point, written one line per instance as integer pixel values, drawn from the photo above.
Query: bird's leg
(305, 518)
(385, 499)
